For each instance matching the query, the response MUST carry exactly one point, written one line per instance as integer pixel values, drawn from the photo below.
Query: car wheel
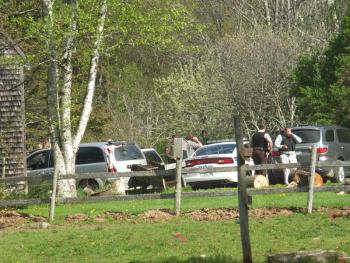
(339, 175)
(89, 183)
(194, 187)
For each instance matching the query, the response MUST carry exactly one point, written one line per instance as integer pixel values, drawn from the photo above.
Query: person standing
(262, 145)
(285, 142)
(169, 150)
(193, 143)
(110, 154)
(205, 137)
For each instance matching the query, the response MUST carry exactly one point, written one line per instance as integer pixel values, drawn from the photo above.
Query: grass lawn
(179, 239)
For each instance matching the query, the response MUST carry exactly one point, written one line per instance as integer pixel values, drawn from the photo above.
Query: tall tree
(249, 73)
(65, 142)
(322, 83)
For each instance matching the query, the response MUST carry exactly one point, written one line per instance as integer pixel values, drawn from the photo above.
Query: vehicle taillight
(275, 153)
(223, 160)
(322, 150)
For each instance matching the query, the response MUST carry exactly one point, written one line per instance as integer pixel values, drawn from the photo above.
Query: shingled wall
(12, 122)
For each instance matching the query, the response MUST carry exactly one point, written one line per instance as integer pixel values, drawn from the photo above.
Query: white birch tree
(64, 140)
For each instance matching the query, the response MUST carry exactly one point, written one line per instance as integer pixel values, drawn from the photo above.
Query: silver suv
(332, 142)
(90, 159)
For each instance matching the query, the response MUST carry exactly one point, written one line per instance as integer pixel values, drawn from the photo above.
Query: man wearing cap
(285, 142)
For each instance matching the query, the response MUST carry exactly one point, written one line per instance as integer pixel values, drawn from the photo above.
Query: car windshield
(308, 135)
(128, 152)
(216, 149)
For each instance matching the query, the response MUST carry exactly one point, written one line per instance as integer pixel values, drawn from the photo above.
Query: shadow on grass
(215, 259)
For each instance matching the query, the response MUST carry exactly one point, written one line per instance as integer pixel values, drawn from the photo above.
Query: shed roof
(7, 43)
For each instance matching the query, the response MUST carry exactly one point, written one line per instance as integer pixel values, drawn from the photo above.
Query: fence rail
(154, 196)
(166, 173)
(172, 172)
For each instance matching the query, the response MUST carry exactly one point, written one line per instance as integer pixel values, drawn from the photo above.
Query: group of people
(261, 142)
(192, 143)
(285, 142)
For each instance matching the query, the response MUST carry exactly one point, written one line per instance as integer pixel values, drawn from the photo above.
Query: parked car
(332, 142)
(213, 155)
(90, 158)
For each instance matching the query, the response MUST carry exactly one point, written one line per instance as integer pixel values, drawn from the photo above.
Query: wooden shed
(12, 118)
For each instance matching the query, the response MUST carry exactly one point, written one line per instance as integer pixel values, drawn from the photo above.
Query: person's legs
(286, 171)
(263, 161)
(259, 158)
(293, 159)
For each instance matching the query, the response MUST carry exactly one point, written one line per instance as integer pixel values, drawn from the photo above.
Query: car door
(344, 143)
(90, 160)
(38, 163)
(331, 145)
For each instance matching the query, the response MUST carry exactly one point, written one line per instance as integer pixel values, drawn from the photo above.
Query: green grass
(140, 241)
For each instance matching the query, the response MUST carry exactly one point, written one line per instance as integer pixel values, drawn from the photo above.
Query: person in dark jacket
(285, 142)
(262, 145)
(204, 137)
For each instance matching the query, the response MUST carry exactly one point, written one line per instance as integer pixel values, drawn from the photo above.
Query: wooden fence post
(310, 195)
(53, 196)
(242, 193)
(178, 156)
(3, 174)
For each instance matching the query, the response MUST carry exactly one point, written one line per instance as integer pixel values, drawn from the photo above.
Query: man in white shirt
(286, 142)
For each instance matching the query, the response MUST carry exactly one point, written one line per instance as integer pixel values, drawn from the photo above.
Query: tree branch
(84, 118)
(66, 63)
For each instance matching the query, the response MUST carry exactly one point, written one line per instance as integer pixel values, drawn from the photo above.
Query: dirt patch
(158, 214)
(336, 213)
(269, 212)
(14, 219)
(207, 214)
(118, 215)
(211, 214)
(333, 212)
(77, 218)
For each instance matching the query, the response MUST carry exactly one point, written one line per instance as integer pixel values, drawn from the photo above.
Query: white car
(213, 155)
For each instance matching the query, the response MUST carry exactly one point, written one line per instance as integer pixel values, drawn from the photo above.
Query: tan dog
(301, 178)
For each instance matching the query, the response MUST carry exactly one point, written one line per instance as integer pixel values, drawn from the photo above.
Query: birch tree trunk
(65, 145)
(66, 162)
(267, 13)
(276, 11)
(289, 15)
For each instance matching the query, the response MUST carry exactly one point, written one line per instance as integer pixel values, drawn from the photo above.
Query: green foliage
(137, 33)
(322, 82)
(192, 100)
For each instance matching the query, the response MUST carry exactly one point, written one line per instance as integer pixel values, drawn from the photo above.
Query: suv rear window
(89, 155)
(128, 152)
(329, 136)
(308, 135)
(343, 135)
(216, 149)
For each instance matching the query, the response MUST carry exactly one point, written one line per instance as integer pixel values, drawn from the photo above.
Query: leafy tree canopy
(322, 82)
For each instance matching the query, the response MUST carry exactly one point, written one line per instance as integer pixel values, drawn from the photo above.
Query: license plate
(206, 174)
(202, 166)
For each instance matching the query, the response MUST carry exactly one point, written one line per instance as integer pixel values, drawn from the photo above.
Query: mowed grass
(200, 241)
